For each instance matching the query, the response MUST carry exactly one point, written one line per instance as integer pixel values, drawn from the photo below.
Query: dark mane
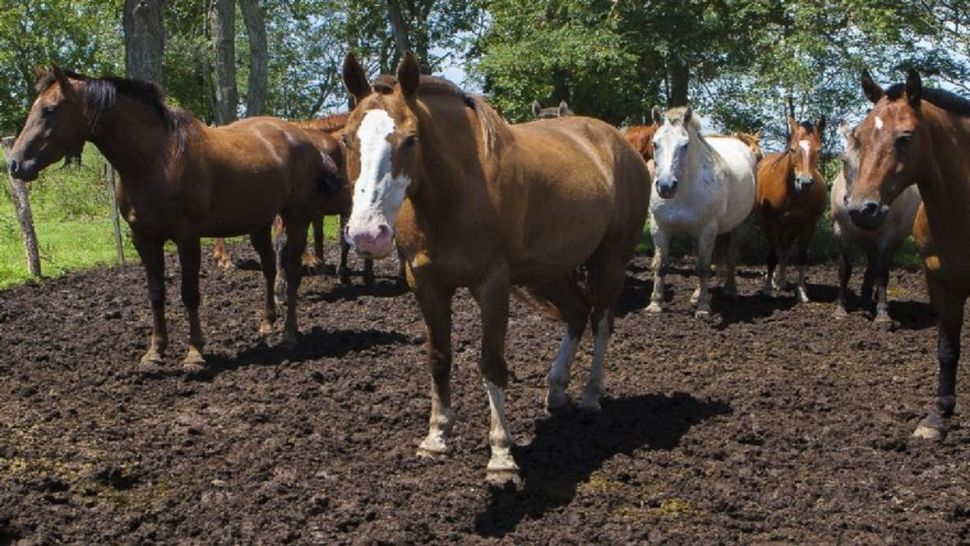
(100, 94)
(807, 125)
(951, 102)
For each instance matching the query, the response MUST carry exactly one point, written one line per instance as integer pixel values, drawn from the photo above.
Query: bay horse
(551, 112)
(879, 244)
(555, 207)
(790, 200)
(705, 189)
(180, 181)
(916, 135)
(323, 132)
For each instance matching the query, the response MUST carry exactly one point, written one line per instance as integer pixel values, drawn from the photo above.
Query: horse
(180, 181)
(705, 188)
(753, 140)
(790, 200)
(553, 207)
(916, 135)
(879, 244)
(551, 112)
(641, 137)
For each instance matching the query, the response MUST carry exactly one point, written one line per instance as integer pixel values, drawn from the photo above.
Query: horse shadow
(568, 449)
(314, 344)
(389, 287)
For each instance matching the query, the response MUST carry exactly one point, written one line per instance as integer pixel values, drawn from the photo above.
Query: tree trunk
(679, 78)
(144, 39)
(398, 27)
(258, 56)
(223, 16)
(21, 205)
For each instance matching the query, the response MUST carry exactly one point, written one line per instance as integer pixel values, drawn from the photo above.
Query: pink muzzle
(372, 239)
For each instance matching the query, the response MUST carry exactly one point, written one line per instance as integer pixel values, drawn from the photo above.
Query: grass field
(72, 217)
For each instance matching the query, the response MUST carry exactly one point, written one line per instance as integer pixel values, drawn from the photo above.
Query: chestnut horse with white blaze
(791, 199)
(921, 136)
(705, 189)
(555, 206)
(879, 244)
(180, 181)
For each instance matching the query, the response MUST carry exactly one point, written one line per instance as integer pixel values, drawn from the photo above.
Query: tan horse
(641, 137)
(921, 136)
(790, 199)
(551, 112)
(181, 181)
(555, 206)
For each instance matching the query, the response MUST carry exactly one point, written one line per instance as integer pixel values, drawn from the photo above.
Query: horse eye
(904, 139)
(409, 140)
(345, 140)
(48, 110)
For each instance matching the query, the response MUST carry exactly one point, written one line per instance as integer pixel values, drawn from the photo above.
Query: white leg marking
(802, 288)
(439, 426)
(594, 386)
(501, 466)
(558, 377)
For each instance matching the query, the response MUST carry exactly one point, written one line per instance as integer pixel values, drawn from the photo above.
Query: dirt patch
(774, 424)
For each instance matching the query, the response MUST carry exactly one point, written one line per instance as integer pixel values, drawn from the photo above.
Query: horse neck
(133, 138)
(700, 157)
(944, 177)
(450, 174)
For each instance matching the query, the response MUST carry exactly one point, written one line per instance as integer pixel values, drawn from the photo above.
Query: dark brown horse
(921, 136)
(790, 199)
(181, 181)
(556, 206)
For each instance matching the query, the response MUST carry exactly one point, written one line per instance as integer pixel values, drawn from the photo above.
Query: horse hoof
(289, 341)
(840, 313)
(590, 406)
(265, 328)
(702, 314)
(655, 307)
(883, 318)
(150, 363)
(225, 263)
(194, 362)
(928, 433)
(503, 477)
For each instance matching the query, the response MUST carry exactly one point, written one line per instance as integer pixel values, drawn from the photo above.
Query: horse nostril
(870, 208)
(14, 166)
(383, 230)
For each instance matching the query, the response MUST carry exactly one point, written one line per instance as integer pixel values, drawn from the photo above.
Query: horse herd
(553, 207)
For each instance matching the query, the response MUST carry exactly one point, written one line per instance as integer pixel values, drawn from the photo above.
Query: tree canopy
(739, 62)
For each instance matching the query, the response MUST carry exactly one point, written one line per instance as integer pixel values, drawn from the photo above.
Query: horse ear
(688, 114)
(40, 72)
(355, 78)
(820, 127)
(792, 125)
(870, 88)
(563, 109)
(536, 108)
(66, 87)
(845, 129)
(757, 135)
(914, 88)
(658, 115)
(409, 75)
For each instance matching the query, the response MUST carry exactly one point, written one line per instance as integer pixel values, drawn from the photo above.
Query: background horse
(791, 198)
(556, 206)
(704, 188)
(641, 137)
(181, 181)
(921, 136)
(551, 112)
(879, 244)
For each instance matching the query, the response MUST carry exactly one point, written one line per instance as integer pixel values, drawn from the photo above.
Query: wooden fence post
(115, 214)
(21, 205)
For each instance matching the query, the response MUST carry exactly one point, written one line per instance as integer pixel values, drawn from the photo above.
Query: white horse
(704, 188)
(879, 244)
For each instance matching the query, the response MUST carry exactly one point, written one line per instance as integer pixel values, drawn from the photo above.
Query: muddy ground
(774, 424)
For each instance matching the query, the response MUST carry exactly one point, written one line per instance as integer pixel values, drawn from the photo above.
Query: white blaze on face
(806, 147)
(879, 123)
(378, 194)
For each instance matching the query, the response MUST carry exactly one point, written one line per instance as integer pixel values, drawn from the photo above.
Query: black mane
(951, 102)
(100, 94)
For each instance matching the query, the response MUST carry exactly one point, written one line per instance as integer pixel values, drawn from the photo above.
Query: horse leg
(730, 262)
(314, 261)
(153, 258)
(705, 248)
(262, 241)
(845, 272)
(190, 259)
(566, 296)
(221, 253)
(661, 246)
(884, 258)
(435, 305)
(865, 293)
(767, 289)
(492, 297)
(296, 232)
(949, 309)
(608, 274)
(802, 287)
(343, 272)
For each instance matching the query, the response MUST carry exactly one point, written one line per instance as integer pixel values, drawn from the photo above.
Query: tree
(144, 39)
(226, 96)
(258, 56)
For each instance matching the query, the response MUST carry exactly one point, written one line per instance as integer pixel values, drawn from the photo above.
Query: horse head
(804, 147)
(671, 144)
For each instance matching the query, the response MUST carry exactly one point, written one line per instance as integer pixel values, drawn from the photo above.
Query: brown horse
(641, 137)
(555, 206)
(921, 136)
(753, 140)
(790, 199)
(181, 181)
